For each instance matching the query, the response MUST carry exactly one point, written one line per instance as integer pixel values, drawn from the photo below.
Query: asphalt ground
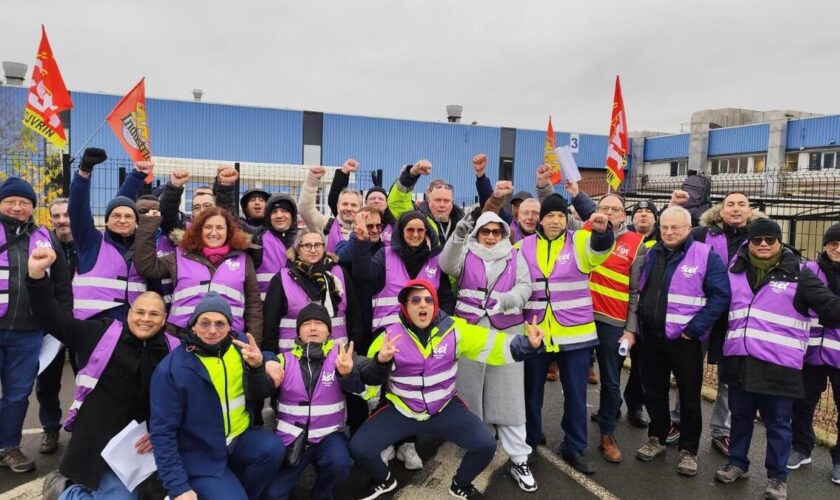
(630, 479)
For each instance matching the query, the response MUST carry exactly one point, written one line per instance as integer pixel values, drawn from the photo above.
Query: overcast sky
(509, 63)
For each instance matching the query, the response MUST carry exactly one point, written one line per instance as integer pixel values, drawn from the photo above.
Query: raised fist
(350, 166)
(90, 158)
(479, 162)
(422, 167)
(227, 176)
(678, 198)
(179, 177)
(543, 175)
(40, 259)
(145, 167)
(317, 173)
(599, 222)
(503, 188)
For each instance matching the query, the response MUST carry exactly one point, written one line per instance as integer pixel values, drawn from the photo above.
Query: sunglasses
(371, 227)
(486, 231)
(415, 230)
(416, 300)
(758, 240)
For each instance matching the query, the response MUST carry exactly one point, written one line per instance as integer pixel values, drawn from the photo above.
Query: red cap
(417, 284)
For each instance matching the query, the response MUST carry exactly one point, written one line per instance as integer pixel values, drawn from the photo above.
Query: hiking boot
(407, 454)
(637, 418)
(721, 444)
(375, 490)
(730, 474)
(49, 442)
(523, 476)
(650, 450)
(388, 454)
(553, 372)
(468, 492)
(776, 489)
(687, 465)
(14, 459)
(54, 486)
(593, 377)
(609, 449)
(673, 436)
(796, 459)
(579, 461)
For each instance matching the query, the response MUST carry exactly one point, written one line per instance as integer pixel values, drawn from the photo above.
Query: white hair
(685, 214)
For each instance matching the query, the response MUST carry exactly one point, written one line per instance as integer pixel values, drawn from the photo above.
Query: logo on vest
(233, 265)
(439, 351)
(689, 271)
(431, 272)
(778, 286)
(327, 379)
(43, 244)
(622, 250)
(163, 253)
(564, 258)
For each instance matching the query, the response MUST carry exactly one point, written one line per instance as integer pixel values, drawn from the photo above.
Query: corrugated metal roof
(817, 132)
(666, 147)
(389, 144)
(737, 140)
(198, 130)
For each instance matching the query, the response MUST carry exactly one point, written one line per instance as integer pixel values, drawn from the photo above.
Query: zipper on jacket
(227, 402)
(19, 277)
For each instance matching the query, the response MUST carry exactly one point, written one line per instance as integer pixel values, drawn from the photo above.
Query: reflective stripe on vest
(686, 297)
(824, 343)
(386, 307)
(478, 298)
(766, 325)
(296, 300)
(194, 281)
(40, 238)
(89, 375)
(226, 376)
(323, 413)
(610, 282)
(273, 260)
(334, 236)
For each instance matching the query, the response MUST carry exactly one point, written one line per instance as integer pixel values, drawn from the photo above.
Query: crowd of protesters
(350, 334)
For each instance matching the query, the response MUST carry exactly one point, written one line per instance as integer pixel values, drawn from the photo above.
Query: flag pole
(87, 142)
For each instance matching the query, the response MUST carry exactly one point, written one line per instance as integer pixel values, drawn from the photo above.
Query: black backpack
(699, 189)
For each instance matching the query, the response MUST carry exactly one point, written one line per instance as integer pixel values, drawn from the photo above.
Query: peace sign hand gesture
(535, 333)
(388, 349)
(250, 352)
(344, 362)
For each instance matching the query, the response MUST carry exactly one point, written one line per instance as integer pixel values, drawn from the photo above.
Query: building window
(759, 164)
(733, 165)
(829, 160)
(679, 168)
(792, 162)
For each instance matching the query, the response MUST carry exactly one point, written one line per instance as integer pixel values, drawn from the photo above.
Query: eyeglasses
(371, 227)
(311, 247)
(416, 300)
(529, 213)
(206, 324)
(486, 231)
(607, 210)
(115, 216)
(672, 228)
(415, 230)
(758, 240)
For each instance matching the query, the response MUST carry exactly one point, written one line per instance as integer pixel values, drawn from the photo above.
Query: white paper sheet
(49, 350)
(568, 164)
(131, 467)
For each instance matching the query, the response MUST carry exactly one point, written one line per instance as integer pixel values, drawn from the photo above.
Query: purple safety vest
(111, 283)
(517, 232)
(89, 375)
(194, 281)
(824, 343)
(719, 245)
(766, 325)
(386, 306)
(296, 300)
(40, 238)
(477, 298)
(566, 289)
(334, 236)
(386, 234)
(322, 415)
(273, 260)
(423, 383)
(686, 297)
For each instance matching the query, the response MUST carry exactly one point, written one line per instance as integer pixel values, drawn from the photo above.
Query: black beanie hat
(832, 234)
(553, 203)
(15, 186)
(764, 227)
(314, 310)
(375, 189)
(121, 201)
(648, 204)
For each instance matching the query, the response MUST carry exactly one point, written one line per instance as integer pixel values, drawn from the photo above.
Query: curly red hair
(193, 241)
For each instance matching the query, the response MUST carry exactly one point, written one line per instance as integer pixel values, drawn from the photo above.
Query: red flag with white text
(617, 150)
(129, 122)
(47, 96)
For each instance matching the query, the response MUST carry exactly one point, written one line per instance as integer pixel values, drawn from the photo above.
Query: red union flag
(47, 96)
(550, 155)
(129, 122)
(617, 148)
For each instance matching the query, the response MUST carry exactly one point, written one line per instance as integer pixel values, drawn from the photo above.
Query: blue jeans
(332, 462)
(18, 368)
(574, 371)
(609, 366)
(110, 488)
(776, 414)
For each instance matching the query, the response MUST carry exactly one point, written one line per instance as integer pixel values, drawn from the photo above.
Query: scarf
(215, 255)
(763, 266)
(317, 281)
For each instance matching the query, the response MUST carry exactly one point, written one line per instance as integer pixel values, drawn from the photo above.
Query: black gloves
(92, 157)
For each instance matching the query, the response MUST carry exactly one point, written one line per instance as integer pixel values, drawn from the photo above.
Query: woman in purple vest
(764, 351)
(112, 387)
(311, 414)
(211, 255)
(493, 286)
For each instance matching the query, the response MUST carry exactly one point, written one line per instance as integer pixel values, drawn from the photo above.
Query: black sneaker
(379, 489)
(579, 461)
(468, 491)
(49, 442)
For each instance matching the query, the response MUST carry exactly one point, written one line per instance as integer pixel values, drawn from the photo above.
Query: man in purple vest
(764, 352)
(336, 228)
(119, 359)
(822, 363)
(269, 245)
(682, 291)
(375, 198)
(20, 334)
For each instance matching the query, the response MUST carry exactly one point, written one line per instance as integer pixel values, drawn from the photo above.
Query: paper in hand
(568, 164)
(49, 350)
(131, 467)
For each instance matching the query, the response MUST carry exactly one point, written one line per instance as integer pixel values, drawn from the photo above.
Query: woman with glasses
(211, 255)
(493, 286)
(311, 274)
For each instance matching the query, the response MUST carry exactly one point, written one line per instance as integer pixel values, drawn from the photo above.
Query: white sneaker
(522, 474)
(388, 454)
(407, 454)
